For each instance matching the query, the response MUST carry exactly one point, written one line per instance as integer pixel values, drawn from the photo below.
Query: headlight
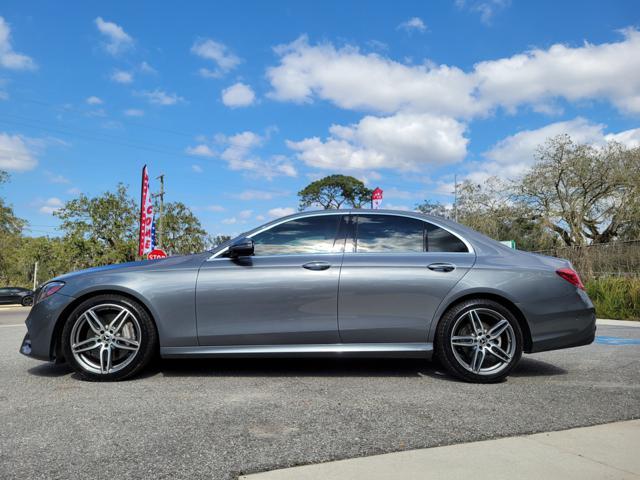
(49, 289)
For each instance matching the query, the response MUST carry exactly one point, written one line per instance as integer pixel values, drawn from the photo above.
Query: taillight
(571, 276)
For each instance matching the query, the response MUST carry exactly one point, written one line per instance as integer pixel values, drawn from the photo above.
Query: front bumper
(39, 342)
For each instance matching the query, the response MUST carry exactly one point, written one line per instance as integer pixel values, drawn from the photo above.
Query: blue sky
(241, 104)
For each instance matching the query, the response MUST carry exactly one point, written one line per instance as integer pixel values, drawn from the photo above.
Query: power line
(100, 137)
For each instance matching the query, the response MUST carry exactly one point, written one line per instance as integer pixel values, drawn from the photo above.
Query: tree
(102, 229)
(182, 232)
(490, 209)
(214, 240)
(335, 191)
(583, 193)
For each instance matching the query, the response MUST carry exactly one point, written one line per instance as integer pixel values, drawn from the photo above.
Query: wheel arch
(502, 300)
(56, 344)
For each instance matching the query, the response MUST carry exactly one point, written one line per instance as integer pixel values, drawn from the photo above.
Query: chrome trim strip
(316, 213)
(295, 349)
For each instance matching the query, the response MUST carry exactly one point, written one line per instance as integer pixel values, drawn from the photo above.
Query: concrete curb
(603, 451)
(617, 323)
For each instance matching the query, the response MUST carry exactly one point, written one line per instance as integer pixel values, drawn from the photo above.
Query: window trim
(217, 255)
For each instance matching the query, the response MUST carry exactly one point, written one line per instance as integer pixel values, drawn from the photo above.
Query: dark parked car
(359, 282)
(18, 295)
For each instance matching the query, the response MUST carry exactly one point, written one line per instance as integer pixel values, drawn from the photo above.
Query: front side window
(397, 234)
(299, 236)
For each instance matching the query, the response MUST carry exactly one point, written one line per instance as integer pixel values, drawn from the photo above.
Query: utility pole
(160, 207)
(455, 197)
(35, 275)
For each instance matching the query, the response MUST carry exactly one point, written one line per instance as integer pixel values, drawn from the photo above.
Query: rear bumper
(564, 339)
(561, 322)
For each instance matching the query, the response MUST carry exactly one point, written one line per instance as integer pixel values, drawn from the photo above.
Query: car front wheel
(109, 338)
(479, 340)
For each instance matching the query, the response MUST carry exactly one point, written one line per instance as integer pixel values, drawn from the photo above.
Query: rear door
(395, 272)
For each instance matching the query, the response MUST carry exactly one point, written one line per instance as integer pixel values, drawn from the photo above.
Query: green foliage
(181, 230)
(97, 231)
(335, 191)
(615, 297)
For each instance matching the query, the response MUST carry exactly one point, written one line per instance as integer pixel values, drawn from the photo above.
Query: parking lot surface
(221, 418)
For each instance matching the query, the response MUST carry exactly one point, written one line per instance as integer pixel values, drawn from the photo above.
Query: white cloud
(230, 221)
(74, 191)
(57, 178)
(93, 100)
(120, 76)
(15, 154)
(258, 195)
(245, 213)
(414, 24)
(51, 205)
(160, 97)
(134, 112)
(224, 59)
(344, 77)
(8, 57)
(607, 71)
(281, 212)
(215, 208)
(196, 168)
(486, 8)
(629, 138)
(403, 141)
(239, 155)
(117, 40)
(144, 67)
(514, 154)
(238, 95)
(200, 150)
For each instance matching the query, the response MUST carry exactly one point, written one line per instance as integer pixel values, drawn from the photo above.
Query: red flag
(146, 215)
(376, 198)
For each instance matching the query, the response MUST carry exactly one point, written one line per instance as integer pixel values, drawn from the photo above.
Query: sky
(242, 104)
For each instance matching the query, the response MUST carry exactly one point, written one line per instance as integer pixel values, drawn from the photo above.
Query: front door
(287, 293)
(395, 272)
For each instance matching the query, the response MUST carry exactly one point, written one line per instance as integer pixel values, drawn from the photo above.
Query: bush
(615, 297)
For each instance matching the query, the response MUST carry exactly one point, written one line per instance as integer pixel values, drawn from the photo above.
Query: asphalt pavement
(222, 418)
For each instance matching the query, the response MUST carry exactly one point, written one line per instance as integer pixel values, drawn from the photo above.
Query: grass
(615, 297)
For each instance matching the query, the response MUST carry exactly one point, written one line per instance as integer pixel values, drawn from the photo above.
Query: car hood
(182, 260)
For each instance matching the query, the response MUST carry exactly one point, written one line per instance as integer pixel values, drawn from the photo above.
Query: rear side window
(299, 236)
(439, 240)
(391, 233)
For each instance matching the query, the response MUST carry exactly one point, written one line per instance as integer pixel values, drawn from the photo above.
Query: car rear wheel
(27, 301)
(109, 338)
(479, 340)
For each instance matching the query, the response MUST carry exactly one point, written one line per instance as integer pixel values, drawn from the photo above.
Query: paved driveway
(218, 418)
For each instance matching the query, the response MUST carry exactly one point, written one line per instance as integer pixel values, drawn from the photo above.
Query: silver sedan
(334, 282)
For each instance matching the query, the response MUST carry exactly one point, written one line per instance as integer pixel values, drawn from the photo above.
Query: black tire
(27, 301)
(453, 361)
(147, 341)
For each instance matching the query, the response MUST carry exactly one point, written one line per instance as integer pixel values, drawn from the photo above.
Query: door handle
(316, 265)
(441, 267)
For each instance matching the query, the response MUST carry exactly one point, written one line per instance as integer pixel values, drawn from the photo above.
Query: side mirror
(242, 248)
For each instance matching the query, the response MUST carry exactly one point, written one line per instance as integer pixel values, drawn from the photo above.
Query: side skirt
(401, 350)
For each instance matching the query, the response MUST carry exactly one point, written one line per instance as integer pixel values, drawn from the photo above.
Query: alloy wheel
(483, 341)
(105, 338)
